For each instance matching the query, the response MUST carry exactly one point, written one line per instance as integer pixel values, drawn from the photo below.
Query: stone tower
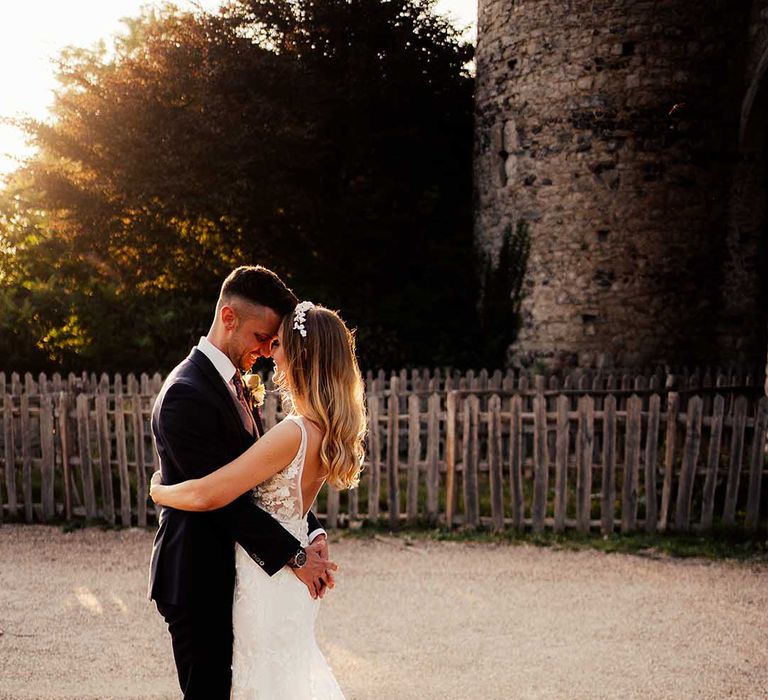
(629, 135)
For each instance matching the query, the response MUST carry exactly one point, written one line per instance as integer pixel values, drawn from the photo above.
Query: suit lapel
(217, 383)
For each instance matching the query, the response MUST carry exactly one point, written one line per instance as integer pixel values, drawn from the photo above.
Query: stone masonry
(621, 133)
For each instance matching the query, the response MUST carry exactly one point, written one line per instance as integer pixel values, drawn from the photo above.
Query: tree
(328, 140)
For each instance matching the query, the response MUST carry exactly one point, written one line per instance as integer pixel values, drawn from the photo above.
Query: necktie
(238, 383)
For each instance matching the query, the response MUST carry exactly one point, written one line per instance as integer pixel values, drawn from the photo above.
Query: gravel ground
(430, 620)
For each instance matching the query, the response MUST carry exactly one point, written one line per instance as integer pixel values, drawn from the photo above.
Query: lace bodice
(280, 495)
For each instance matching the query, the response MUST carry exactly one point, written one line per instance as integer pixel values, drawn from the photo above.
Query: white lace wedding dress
(275, 655)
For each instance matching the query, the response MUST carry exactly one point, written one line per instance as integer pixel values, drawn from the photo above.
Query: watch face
(301, 558)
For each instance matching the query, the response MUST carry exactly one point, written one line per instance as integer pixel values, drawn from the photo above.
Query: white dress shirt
(220, 361)
(227, 371)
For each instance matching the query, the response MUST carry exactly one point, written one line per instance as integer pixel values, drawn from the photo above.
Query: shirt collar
(220, 361)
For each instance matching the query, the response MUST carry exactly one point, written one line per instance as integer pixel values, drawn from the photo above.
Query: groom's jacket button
(257, 560)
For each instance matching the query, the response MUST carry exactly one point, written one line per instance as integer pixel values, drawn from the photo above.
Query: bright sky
(34, 31)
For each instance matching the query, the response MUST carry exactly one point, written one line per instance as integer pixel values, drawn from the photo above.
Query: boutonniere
(256, 389)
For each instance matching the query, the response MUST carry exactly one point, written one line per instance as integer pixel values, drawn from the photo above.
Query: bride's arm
(271, 453)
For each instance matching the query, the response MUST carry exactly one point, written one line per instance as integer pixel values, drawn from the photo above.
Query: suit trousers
(201, 634)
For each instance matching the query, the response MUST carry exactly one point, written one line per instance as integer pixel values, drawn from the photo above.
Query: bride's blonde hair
(321, 380)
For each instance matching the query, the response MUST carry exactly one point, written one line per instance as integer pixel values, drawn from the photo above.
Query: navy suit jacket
(197, 429)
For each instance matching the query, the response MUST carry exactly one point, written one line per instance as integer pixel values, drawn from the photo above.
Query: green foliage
(55, 311)
(751, 548)
(330, 141)
(502, 294)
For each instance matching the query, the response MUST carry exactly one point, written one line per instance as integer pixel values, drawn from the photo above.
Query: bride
(275, 654)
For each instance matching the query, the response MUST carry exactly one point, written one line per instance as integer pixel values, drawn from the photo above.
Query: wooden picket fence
(588, 450)
(659, 378)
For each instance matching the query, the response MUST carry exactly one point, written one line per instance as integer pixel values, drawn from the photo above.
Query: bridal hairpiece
(300, 315)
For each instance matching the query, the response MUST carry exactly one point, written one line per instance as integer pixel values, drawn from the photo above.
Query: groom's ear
(228, 317)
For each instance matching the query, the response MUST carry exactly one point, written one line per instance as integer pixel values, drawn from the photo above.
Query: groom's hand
(317, 573)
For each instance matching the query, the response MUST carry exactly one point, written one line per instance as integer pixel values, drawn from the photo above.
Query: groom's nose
(264, 349)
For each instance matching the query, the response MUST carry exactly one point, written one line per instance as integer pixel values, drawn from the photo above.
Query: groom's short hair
(258, 285)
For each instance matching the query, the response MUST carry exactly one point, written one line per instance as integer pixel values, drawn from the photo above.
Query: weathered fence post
(608, 485)
(64, 442)
(651, 455)
(414, 453)
(495, 472)
(673, 402)
(631, 464)
(688, 467)
(734, 466)
(561, 463)
(353, 504)
(10, 455)
(84, 446)
(332, 515)
(757, 457)
(26, 456)
(540, 461)
(122, 461)
(713, 461)
(516, 461)
(584, 445)
(393, 453)
(470, 461)
(105, 450)
(450, 456)
(374, 443)
(433, 465)
(47, 468)
(138, 451)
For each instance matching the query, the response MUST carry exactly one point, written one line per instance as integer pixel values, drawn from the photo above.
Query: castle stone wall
(611, 128)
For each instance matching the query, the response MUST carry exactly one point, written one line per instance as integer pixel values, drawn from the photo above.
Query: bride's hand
(322, 546)
(317, 573)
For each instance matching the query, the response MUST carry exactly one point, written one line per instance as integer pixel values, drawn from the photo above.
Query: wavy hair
(322, 381)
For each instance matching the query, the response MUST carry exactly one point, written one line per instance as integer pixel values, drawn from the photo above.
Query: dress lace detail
(275, 655)
(280, 495)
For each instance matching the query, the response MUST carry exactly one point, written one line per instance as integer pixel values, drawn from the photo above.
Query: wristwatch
(299, 559)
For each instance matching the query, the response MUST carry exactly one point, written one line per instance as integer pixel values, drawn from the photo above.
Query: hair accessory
(300, 316)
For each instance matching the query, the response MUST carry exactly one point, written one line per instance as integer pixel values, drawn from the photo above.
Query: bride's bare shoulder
(283, 437)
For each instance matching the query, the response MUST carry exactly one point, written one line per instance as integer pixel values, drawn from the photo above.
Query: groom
(200, 422)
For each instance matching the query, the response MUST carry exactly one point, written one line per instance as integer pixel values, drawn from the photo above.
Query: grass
(719, 545)
(84, 523)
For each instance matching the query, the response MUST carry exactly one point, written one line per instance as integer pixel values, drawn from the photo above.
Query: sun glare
(32, 33)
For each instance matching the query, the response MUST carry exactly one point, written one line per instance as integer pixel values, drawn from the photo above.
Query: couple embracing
(240, 563)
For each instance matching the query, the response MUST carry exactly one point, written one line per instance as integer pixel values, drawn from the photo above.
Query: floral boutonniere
(256, 389)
